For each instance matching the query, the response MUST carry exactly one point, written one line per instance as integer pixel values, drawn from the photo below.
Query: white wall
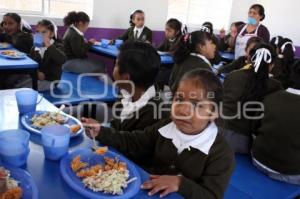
(282, 17)
(115, 13)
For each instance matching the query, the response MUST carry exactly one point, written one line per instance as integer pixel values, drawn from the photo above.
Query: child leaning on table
(190, 156)
(16, 32)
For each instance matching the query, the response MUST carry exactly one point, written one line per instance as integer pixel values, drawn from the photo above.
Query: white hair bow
(25, 24)
(205, 29)
(276, 40)
(286, 43)
(183, 29)
(55, 29)
(261, 54)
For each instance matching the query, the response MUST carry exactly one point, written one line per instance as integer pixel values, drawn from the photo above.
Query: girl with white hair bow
(244, 91)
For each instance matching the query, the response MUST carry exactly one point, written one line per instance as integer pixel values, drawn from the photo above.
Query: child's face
(83, 26)
(10, 26)
(233, 31)
(170, 33)
(139, 20)
(191, 109)
(208, 50)
(44, 31)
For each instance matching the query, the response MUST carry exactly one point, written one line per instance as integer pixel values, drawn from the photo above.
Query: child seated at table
(138, 32)
(136, 68)
(173, 34)
(76, 47)
(244, 90)
(16, 32)
(50, 57)
(190, 156)
(276, 146)
(193, 51)
(241, 61)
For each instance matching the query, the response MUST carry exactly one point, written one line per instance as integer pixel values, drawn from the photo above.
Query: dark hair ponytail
(188, 44)
(74, 17)
(260, 9)
(176, 25)
(257, 82)
(17, 18)
(286, 49)
(131, 20)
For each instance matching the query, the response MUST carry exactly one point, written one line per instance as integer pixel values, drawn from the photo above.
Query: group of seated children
(188, 148)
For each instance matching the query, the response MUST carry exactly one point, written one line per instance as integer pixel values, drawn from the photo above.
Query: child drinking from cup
(49, 55)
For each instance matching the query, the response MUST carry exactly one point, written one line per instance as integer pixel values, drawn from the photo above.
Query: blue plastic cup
(118, 42)
(14, 148)
(38, 40)
(104, 43)
(27, 100)
(16, 159)
(55, 139)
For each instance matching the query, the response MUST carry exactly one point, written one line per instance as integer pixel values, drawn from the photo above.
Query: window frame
(193, 26)
(44, 12)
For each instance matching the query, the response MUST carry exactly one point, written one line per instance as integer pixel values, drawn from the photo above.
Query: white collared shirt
(294, 91)
(130, 107)
(202, 57)
(140, 30)
(77, 30)
(202, 141)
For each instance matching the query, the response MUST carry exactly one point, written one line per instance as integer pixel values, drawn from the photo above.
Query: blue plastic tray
(20, 55)
(5, 46)
(26, 122)
(88, 156)
(25, 180)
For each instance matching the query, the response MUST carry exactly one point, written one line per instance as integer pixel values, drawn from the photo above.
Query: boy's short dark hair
(140, 61)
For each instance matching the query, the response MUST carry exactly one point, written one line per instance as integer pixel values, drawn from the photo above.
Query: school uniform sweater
(169, 45)
(277, 143)
(52, 61)
(203, 176)
(233, 89)
(179, 69)
(235, 65)
(20, 40)
(75, 46)
(146, 35)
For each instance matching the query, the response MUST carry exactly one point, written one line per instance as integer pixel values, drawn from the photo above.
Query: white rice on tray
(110, 182)
(10, 182)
